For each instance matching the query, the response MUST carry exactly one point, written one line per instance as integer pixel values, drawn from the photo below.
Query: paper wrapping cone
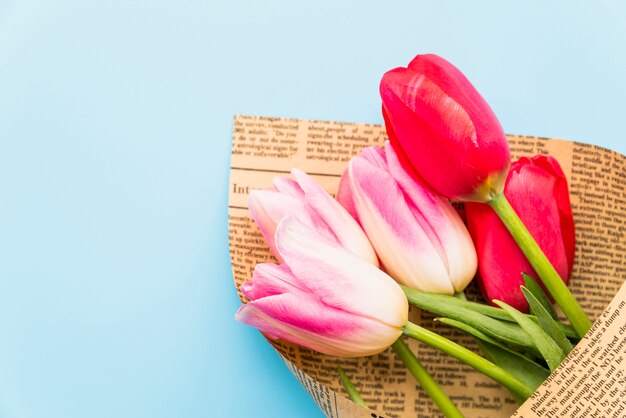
(590, 382)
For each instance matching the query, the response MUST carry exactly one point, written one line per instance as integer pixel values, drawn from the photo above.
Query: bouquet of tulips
(350, 266)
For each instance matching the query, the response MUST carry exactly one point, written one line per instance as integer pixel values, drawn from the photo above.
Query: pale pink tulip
(313, 206)
(325, 297)
(418, 236)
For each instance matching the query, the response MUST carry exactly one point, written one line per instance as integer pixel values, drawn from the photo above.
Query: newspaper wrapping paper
(591, 382)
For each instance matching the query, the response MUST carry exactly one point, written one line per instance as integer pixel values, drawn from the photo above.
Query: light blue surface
(116, 297)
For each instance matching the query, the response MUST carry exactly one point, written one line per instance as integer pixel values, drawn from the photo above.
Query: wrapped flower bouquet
(434, 266)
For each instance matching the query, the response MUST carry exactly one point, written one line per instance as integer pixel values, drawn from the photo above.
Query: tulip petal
(425, 204)
(307, 321)
(375, 156)
(267, 208)
(460, 249)
(534, 200)
(397, 234)
(289, 187)
(501, 261)
(343, 226)
(338, 277)
(453, 84)
(442, 111)
(441, 222)
(561, 194)
(345, 197)
(269, 280)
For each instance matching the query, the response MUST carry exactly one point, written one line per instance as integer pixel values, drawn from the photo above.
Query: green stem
(468, 357)
(546, 272)
(426, 381)
(353, 394)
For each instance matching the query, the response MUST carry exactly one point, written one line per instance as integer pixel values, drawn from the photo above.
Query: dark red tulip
(537, 189)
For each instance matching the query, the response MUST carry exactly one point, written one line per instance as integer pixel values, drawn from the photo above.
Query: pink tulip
(537, 190)
(313, 206)
(325, 297)
(418, 236)
(444, 129)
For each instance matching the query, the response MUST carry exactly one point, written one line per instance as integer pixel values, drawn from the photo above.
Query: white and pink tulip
(420, 239)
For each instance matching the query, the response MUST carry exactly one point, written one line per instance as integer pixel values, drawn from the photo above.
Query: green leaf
(534, 288)
(515, 363)
(533, 375)
(547, 322)
(476, 333)
(422, 299)
(526, 370)
(549, 349)
(506, 332)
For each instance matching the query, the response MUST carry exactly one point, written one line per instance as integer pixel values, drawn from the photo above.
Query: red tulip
(537, 189)
(444, 129)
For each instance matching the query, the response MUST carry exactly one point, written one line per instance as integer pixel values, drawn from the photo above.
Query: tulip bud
(444, 129)
(418, 236)
(324, 297)
(314, 207)
(537, 190)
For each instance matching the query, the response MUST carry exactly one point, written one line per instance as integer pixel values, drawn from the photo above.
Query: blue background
(116, 297)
